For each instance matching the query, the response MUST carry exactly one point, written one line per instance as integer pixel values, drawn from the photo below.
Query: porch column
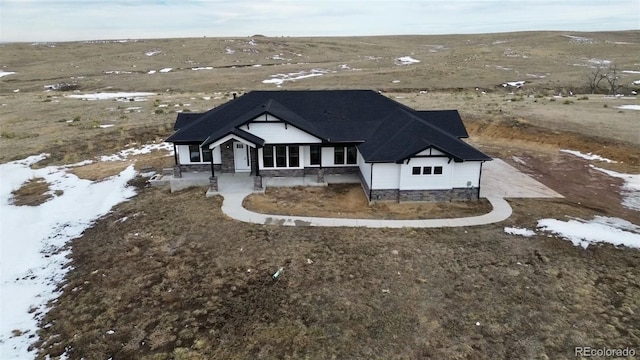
(213, 173)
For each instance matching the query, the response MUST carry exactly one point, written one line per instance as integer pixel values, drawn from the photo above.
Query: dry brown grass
(349, 201)
(33, 193)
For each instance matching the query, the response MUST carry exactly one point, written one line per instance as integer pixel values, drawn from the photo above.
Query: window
(437, 170)
(267, 156)
(352, 155)
(315, 152)
(345, 155)
(294, 156)
(194, 153)
(415, 170)
(426, 170)
(206, 155)
(338, 155)
(281, 156)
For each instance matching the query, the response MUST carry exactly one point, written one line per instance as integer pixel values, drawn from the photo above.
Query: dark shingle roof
(385, 130)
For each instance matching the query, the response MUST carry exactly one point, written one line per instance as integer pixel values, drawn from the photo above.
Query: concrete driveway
(500, 179)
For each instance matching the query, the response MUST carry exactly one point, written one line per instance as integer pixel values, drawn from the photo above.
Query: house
(398, 153)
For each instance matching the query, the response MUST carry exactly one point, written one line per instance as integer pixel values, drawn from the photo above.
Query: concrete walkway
(232, 207)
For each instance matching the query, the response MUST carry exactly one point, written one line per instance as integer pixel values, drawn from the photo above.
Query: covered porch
(246, 182)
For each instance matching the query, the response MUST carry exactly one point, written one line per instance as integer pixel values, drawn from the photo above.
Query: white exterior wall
(277, 133)
(385, 176)
(365, 170)
(463, 172)
(185, 159)
(327, 157)
(408, 181)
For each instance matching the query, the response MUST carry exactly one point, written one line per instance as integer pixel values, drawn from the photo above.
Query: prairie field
(177, 279)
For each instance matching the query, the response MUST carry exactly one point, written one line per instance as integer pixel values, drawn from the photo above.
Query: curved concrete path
(232, 207)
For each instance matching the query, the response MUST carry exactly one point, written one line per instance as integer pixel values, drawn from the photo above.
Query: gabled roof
(383, 129)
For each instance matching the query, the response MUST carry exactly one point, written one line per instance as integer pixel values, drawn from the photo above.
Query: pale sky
(70, 20)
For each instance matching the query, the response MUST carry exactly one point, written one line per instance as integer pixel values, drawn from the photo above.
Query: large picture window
(280, 156)
(345, 155)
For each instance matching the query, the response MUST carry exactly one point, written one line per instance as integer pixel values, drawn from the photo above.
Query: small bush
(567, 102)
(605, 106)
(77, 118)
(552, 99)
(8, 135)
(538, 96)
(583, 98)
(158, 111)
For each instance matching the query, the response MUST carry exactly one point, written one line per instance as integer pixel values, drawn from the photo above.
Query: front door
(241, 157)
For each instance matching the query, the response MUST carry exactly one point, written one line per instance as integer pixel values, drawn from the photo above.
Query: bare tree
(594, 77)
(613, 79)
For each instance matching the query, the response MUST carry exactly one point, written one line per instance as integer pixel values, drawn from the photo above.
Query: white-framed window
(197, 154)
(426, 170)
(280, 156)
(345, 155)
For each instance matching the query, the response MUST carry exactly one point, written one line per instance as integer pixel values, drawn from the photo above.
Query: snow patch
(279, 79)
(151, 72)
(126, 96)
(145, 149)
(406, 60)
(6, 73)
(229, 51)
(587, 156)
(599, 230)
(153, 52)
(631, 71)
(516, 84)
(629, 107)
(519, 231)
(202, 68)
(32, 238)
(165, 70)
(630, 190)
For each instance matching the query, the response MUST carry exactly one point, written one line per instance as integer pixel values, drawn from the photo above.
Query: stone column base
(177, 173)
(257, 183)
(213, 183)
(321, 176)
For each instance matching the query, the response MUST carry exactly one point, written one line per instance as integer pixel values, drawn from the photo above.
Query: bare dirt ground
(179, 280)
(349, 201)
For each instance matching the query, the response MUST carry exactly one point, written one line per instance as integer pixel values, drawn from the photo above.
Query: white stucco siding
(365, 170)
(408, 181)
(463, 172)
(278, 133)
(184, 158)
(183, 154)
(327, 157)
(385, 176)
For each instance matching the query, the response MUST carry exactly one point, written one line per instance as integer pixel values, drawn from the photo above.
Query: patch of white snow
(6, 73)
(584, 233)
(32, 238)
(630, 190)
(165, 70)
(406, 60)
(519, 231)
(587, 156)
(109, 96)
(629, 107)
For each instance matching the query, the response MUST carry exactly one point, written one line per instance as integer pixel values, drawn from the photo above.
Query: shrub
(605, 106)
(158, 111)
(568, 102)
(583, 98)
